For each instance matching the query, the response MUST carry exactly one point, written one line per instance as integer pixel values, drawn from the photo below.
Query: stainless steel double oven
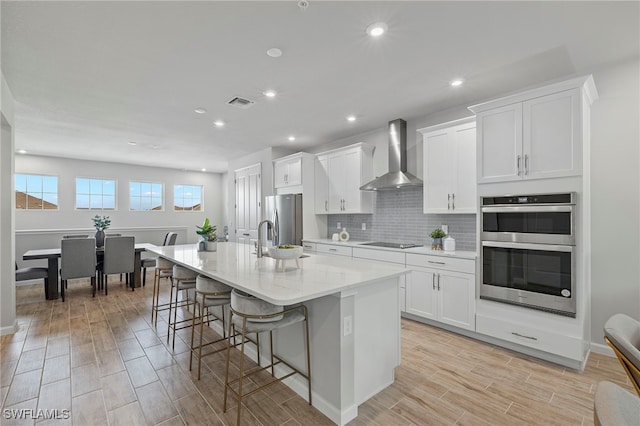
(528, 255)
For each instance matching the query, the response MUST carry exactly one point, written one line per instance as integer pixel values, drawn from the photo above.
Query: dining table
(53, 255)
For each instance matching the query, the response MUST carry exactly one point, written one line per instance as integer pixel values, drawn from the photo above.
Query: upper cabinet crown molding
(535, 134)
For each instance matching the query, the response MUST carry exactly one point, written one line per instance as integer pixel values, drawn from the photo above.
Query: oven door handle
(528, 209)
(528, 246)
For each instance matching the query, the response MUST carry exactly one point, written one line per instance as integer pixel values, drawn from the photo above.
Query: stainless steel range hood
(397, 177)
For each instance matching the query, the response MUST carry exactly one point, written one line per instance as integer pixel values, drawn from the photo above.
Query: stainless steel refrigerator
(285, 211)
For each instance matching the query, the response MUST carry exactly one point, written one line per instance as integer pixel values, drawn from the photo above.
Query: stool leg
(226, 371)
(271, 349)
(175, 318)
(244, 327)
(193, 327)
(170, 308)
(308, 348)
(201, 333)
(154, 301)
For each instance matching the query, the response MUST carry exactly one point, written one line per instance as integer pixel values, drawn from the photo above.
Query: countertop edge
(427, 251)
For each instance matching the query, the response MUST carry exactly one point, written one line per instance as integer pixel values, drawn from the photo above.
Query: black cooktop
(391, 245)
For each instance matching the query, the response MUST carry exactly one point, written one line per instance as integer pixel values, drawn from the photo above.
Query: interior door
(248, 206)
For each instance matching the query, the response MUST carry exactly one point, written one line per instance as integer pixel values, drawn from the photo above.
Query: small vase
(99, 238)
(436, 244)
(344, 235)
(211, 245)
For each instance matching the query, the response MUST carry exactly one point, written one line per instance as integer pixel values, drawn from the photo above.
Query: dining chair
(119, 258)
(78, 260)
(150, 262)
(622, 333)
(34, 273)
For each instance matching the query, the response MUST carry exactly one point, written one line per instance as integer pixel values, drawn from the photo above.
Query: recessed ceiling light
(270, 93)
(274, 52)
(22, 151)
(457, 82)
(377, 29)
(200, 110)
(132, 143)
(155, 146)
(292, 138)
(218, 123)
(351, 118)
(203, 170)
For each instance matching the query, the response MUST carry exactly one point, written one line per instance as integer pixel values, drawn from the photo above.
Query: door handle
(523, 336)
(518, 164)
(333, 249)
(438, 282)
(526, 164)
(325, 206)
(433, 281)
(437, 263)
(246, 234)
(448, 201)
(453, 201)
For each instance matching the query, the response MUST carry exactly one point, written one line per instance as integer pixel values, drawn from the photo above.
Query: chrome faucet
(273, 229)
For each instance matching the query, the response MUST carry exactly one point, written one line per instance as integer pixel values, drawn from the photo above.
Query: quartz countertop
(236, 265)
(425, 250)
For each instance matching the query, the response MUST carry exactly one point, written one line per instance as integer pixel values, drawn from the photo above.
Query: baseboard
(10, 329)
(599, 348)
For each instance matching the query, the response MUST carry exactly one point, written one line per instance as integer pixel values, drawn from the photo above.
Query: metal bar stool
(184, 279)
(163, 269)
(252, 315)
(209, 294)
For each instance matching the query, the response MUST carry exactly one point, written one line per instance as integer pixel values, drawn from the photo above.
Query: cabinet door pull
(325, 206)
(523, 336)
(437, 263)
(433, 281)
(246, 234)
(448, 201)
(438, 282)
(453, 201)
(333, 249)
(526, 164)
(518, 164)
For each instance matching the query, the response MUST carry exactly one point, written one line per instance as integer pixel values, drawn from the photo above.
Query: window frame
(188, 185)
(162, 196)
(42, 192)
(115, 194)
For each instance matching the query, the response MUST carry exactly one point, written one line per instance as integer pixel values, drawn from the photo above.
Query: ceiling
(91, 77)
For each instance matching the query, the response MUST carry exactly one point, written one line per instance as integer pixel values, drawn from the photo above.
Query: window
(145, 196)
(187, 197)
(36, 192)
(95, 194)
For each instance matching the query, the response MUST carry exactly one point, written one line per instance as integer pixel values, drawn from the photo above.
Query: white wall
(615, 195)
(43, 228)
(7, 255)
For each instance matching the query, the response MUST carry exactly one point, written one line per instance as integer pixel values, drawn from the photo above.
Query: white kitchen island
(354, 317)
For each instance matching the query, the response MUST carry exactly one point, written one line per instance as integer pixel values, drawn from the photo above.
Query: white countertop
(235, 264)
(462, 254)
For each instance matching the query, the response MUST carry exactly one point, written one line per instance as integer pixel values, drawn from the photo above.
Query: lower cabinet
(440, 295)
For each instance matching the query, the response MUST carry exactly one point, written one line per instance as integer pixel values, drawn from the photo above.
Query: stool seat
(256, 310)
(259, 327)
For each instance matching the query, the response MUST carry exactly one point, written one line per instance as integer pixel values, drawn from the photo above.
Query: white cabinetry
(338, 176)
(387, 257)
(287, 171)
(442, 289)
(535, 134)
(450, 167)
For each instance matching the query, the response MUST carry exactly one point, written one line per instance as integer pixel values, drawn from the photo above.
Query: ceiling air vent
(241, 102)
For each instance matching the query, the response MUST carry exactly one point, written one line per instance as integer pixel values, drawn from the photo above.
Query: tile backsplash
(398, 217)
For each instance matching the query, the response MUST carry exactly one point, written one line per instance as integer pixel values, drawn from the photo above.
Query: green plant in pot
(100, 223)
(208, 236)
(436, 238)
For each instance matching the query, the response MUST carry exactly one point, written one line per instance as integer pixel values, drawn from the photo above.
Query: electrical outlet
(339, 225)
(364, 226)
(445, 228)
(348, 325)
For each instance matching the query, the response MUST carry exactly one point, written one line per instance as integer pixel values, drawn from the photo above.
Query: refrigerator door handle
(276, 226)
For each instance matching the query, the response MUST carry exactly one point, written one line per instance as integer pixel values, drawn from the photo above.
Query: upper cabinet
(287, 171)
(450, 167)
(339, 173)
(534, 135)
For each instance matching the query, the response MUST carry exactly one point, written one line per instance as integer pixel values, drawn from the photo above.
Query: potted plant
(436, 238)
(100, 223)
(208, 236)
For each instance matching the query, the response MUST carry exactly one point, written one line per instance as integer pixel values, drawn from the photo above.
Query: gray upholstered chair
(34, 273)
(119, 258)
(249, 314)
(614, 406)
(184, 279)
(622, 333)
(209, 295)
(78, 260)
(150, 262)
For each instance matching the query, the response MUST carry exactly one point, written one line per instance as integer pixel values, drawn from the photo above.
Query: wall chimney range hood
(397, 177)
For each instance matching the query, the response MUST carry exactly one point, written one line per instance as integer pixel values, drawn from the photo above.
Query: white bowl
(288, 253)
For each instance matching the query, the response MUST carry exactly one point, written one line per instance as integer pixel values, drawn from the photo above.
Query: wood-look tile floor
(102, 359)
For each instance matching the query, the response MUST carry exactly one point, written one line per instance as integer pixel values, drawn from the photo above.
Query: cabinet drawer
(332, 249)
(309, 247)
(543, 340)
(380, 255)
(442, 262)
